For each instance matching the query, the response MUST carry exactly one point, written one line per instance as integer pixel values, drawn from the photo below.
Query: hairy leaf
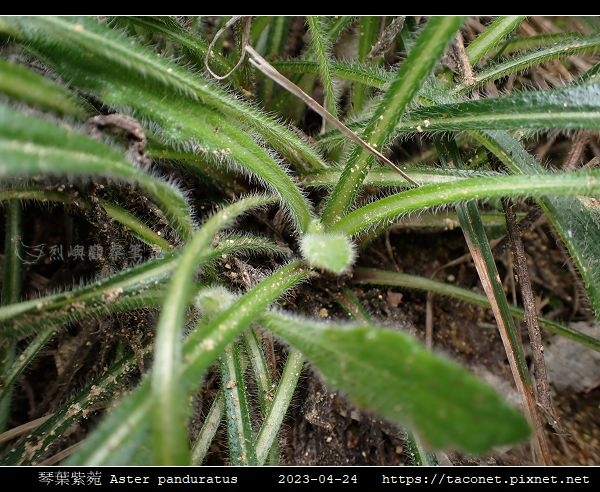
(391, 373)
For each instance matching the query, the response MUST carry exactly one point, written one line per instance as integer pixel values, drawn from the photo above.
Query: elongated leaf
(11, 266)
(30, 146)
(493, 34)
(124, 291)
(408, 281)
(483, 259)
(135, 225)
(352, 72)
(385, 177)
(226, 180)
(148, 299)
(129, 421)
(278, 28)
(288, 104)
(576, 219)
(391, 373)
(204, 131)
(576, 107)
(389, 208)
(264, 381)
(367, 35)
(242, 450)
(184, 120)
(562, 49)
(170, 409)
(114, 211)
(22, 84)
(32, 447)
(209, 430)
(27, 316)
(321, 46)
(530, 43)
(286, 387)
(64, 41)
(349, 302)
(592, 76)
(11, 292)
(422, 58)
(194, 48)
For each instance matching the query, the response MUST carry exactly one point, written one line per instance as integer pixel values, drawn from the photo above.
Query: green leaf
(386, 177)
(408, 281)
(126, 290)
(530, 43)
(32, 447)
(562, 49)
(480, 250)
(278, 28)
(349, 302)
(89, 53)
(288, 104)
(11, 292)
(352, 72)
(194, 48)
(494, 33)
(22, 84)
(576, 219)
(391, 207)
(135, 225)
(416, 68)
(208, 431)
(226, 180)
(592, 76)
(213, 131)
(286, 387)
(389, 372)
(30, 146)
(367, 35)
(114, 211)
(201, 348)
(204, 131)
(321, 47)
(170, 409)
(239, 428)
(575, 107)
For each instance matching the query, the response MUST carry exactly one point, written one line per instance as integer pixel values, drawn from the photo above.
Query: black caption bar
(89, 479)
